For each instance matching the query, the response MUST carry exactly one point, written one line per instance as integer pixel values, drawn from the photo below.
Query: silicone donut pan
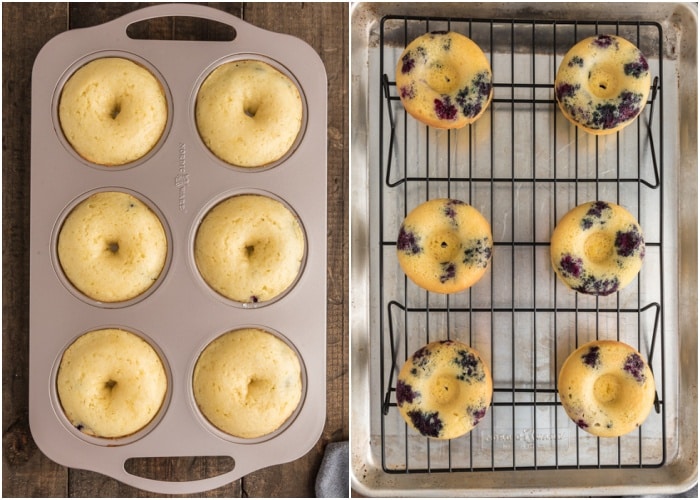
(180, 180)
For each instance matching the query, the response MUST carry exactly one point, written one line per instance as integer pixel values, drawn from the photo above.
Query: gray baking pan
(523, 165)
(180, 180)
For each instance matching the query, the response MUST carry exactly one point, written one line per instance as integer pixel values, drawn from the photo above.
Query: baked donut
(602, 84)
(112, 247)
(248, 113)
(444, 389)
(112, 111)
(444, 245)
(444, 80)
(606, 388)
(597, 248)
(111, 383)
(249, 248)
(247, 382)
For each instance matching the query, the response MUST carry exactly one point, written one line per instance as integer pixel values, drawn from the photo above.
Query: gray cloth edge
(332, 480)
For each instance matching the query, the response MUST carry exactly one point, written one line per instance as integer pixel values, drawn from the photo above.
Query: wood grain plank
(26, 27)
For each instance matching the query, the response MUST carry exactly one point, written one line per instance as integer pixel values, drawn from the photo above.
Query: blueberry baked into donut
(444, 389)
(602, 84)
(606, 388)
(444, 245)
(444, 80)
(597, 248)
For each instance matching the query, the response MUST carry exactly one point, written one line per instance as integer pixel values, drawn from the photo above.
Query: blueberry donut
(444, 389)
(111, 383)
(602, 84)
(113, 111)
(112, 247)
(444, 245)
(248, 113)
(444, 80)
(597, 248)
(606, 388)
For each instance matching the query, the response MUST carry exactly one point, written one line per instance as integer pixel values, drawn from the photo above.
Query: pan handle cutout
(187, 28)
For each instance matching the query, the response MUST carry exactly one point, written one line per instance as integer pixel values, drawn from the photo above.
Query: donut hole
(445, 389)
(599, 247)
(113, 246)
(258, 389)
(116, 109)
(443, 79)
(251, 109)
(602, 81)
(606, 388)
(444, 246)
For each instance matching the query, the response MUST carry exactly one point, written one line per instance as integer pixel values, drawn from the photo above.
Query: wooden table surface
(26, 28)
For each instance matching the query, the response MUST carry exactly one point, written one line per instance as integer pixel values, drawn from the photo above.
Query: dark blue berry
(638, 68)
(428, 424)
(444, 109)
(448, 272)
(407, 92)
(478, 253)
(634, 365)
(592, 357)
(420, 357)
(407, 63)
(565, 90)
(594, 214)
(470, 98)
(471, 368)
(575, 61)
(603, 41)
(627, 243)
(593, 286)
(597, 208)
(449, 210)
(609, 115)
(581, 423)
(405, 393)
(408, 242)
(571, 266)
(477, 414)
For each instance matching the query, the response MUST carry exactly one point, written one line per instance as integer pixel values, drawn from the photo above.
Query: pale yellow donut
(111, 383)
(606, 388)
(248, 113)
(444, 80)
(247, 382)
(112, 247)
(597, 248)
(444, 245)
(444, 389)
(112, 111)
(602, 84)
(249, 248)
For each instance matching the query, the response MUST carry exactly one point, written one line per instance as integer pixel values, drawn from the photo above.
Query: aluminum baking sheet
(180, 180)
(523, 165)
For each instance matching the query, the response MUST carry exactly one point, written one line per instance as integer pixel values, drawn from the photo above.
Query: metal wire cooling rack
(523, 165)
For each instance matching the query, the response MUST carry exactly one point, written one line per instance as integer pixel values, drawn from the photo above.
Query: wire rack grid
(523, 165)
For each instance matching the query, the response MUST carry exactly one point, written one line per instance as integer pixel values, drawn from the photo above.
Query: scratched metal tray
(181, 180)
(523, 165)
